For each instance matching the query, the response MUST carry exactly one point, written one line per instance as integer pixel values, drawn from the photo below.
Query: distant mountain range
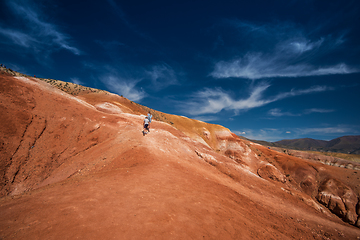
(345, 144)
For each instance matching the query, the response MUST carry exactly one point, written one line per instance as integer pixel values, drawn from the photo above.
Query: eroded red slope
(78, 167)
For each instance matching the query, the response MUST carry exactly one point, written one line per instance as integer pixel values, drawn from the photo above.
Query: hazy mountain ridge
(345, 144)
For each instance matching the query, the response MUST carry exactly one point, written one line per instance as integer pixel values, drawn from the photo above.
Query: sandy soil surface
(79, 167)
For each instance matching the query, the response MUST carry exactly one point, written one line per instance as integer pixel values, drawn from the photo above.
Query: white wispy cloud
(318, 110)
(325, 130)
(258, 66)
(118, 80)
(38, 35)
(210, 101)
(265, 134)
(215, 100)
(125, 87)
(19, 38)
(288, 52)
(303, 45)
(297, 92)
(207, 118)
(133, 82)
(276, 134)
(76, 81)
(162, 76)
(277, 112)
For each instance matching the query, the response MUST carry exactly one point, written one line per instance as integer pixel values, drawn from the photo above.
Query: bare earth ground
(80, 168)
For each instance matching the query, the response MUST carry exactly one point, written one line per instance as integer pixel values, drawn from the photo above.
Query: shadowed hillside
(76, 165)
(303, 143)
(345, 144)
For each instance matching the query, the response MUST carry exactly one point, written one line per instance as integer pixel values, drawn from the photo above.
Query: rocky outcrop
(270, 172)
(339, 199)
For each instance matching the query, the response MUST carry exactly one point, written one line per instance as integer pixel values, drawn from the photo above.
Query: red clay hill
(75, 165)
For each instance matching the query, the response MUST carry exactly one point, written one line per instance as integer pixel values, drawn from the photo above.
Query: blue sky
(267, 70)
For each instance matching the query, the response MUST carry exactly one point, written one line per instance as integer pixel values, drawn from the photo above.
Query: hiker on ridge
(146, 126)
(149, 116)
